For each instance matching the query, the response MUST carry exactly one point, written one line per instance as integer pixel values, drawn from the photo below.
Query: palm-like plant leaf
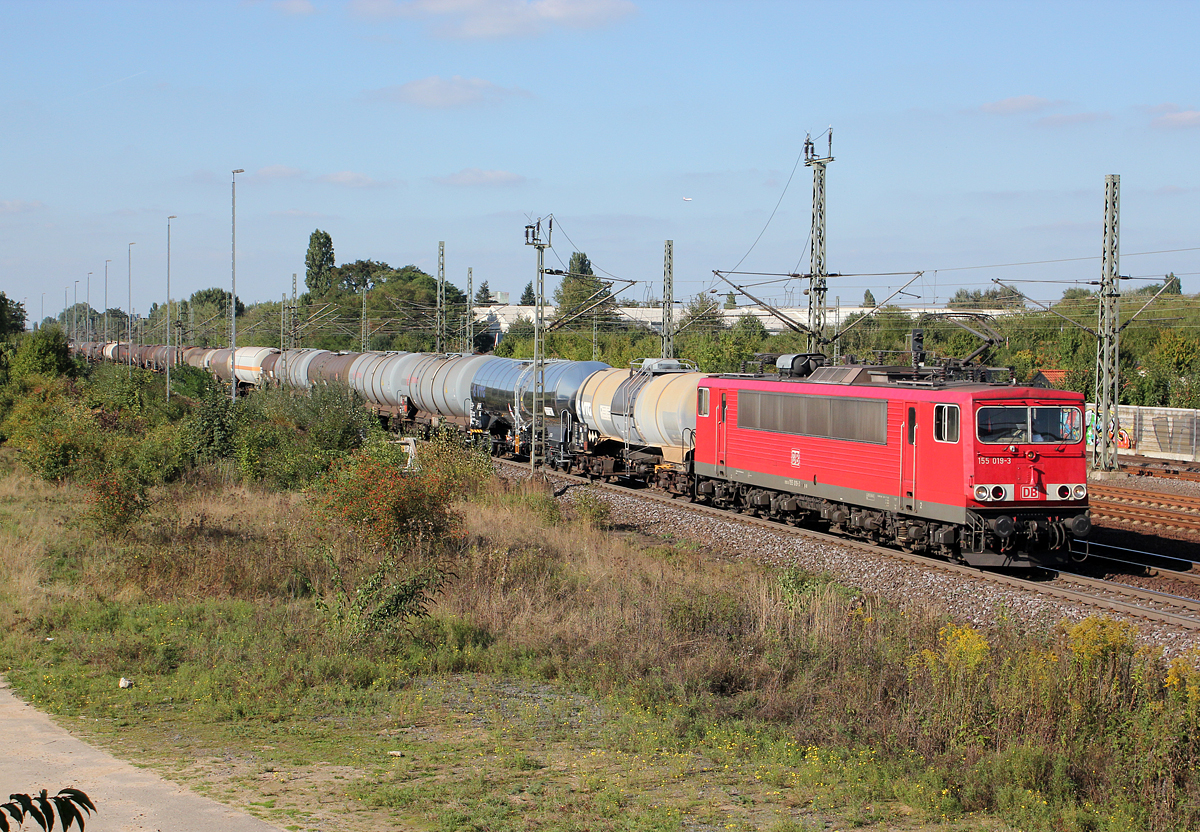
(78, 797)
(42, 808)
(43, 804)
(27, 807)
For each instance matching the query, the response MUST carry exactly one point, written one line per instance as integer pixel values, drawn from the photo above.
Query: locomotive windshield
(1024, 425)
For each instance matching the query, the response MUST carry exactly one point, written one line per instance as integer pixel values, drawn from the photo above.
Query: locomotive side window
(945, 422)
(912, 425)
(702, 401)
(854, 420)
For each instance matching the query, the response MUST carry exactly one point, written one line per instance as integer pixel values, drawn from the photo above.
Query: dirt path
(35, 754)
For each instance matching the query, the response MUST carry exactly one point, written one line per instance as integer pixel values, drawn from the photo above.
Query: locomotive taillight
(997, 492)
(1063, 492)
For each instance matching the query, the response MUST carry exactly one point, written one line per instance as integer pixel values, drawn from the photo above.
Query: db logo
(1030, 492)
(795, 458)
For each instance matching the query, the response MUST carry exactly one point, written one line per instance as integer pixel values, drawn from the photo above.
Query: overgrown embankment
(282, 588)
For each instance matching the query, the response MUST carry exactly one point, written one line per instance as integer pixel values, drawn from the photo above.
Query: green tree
(319, 263)
(215, 296)
(484, 296)
(580, 288)
(701, 315)
(354, 276)
(528, 298)
(730, 301)
(12, 317)
(994, 298)
(868, 299)
(1076, 293)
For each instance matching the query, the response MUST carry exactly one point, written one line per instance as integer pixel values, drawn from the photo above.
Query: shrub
(286, 439)
(371, 494)
(212, 425)
(43, 353)
(592, 509)
(55, 434)
(117, 496)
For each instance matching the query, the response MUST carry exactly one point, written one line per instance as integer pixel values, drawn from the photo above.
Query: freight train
(992, 475)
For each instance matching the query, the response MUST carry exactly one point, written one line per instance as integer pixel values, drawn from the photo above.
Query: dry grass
(626, 611)
(729, 660)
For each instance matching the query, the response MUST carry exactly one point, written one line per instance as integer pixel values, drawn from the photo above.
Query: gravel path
(36, 754)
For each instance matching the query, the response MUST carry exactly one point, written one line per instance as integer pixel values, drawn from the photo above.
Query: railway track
(1139, 506)
(1153, 564)
(1165, 470)
(1091, 593)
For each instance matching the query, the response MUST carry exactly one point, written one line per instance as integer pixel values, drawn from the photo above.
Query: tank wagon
(989, 474)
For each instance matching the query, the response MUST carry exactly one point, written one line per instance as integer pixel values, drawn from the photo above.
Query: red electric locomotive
(992, 475)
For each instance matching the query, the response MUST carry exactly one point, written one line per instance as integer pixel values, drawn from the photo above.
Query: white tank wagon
(295, 367)
(247, 364)
(365, 376)
(652, 405)
(444, 387)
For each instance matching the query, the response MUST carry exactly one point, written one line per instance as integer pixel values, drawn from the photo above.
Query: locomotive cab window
(702, 401)
(1035, 425)
(945, 422)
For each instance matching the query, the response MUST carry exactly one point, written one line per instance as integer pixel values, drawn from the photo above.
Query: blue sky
(965, 134)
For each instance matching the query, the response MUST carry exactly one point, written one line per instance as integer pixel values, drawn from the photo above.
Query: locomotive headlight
(981, 493)
(997, 492)
(1080, 492)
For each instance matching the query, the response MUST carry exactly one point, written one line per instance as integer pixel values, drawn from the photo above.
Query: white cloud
(375, 8)
(1069, 119)
(19, 206)
(1173, 118)
(437, 93)
(350, 179)
(1019, 104)
(477, 19)
(294, 7)
(279, 172)
(1175, 190)
(475, 176)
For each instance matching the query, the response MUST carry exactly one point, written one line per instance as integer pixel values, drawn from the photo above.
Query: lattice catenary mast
(668, 300)
(817, 273)
(441, 298)
(537, 433)
(1104, 451)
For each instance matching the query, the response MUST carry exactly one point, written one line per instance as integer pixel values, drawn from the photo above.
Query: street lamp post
(42, 319)
(75, 316)
(233, 297)
(170, 356)
(87, 322)
(129, 321)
